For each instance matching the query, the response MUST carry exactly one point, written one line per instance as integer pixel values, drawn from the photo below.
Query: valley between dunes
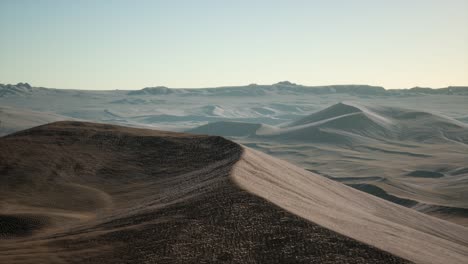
(77, 192)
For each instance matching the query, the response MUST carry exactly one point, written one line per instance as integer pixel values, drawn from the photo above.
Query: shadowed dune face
(73, 192)
(425, 174)
(14, 226)
(330, 112)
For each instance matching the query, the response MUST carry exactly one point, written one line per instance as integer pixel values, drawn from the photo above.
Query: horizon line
(233, 86)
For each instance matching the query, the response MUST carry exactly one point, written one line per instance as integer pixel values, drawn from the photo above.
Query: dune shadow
(14, 226)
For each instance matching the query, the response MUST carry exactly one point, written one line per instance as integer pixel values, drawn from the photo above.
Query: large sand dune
(74, 192)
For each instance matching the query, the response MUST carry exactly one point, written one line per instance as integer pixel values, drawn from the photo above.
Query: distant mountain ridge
(260, 90)
(281, 88)
(15, 89)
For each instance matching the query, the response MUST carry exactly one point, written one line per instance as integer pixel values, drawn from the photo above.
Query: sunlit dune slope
(396, 229)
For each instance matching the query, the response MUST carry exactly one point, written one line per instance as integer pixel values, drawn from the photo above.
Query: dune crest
(393, 228)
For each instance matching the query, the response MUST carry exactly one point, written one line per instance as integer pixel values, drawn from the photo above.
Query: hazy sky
(134, 44)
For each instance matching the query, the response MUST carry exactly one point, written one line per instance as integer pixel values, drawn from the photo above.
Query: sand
(407, 156)
(396, 229)
(75, 192)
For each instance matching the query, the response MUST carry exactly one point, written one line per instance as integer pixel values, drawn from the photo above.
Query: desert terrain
(164, 132)
(408, 146)
(78, 192)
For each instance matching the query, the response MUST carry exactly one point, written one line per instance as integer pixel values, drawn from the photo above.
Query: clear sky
(98, 44)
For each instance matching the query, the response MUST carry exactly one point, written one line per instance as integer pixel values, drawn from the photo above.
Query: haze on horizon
(186, 44)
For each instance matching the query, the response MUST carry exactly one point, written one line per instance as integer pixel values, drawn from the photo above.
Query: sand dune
(74, 192)
(394, 228)
(353, 123)
(330, 112)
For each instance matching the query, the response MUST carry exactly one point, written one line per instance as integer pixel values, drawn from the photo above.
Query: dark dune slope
(73, 192)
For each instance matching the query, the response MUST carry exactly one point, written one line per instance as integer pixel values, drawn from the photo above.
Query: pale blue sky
(187, 44)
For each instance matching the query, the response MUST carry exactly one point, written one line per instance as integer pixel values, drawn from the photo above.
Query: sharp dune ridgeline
(385, 225)
(77, 192)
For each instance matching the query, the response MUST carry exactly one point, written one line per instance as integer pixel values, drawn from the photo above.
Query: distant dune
(347, 123)
(74, 192)
(410, 157)
(274, 104)
(333, 111)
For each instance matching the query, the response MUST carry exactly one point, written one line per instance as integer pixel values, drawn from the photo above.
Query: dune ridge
(97, 193)
(396, 229)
